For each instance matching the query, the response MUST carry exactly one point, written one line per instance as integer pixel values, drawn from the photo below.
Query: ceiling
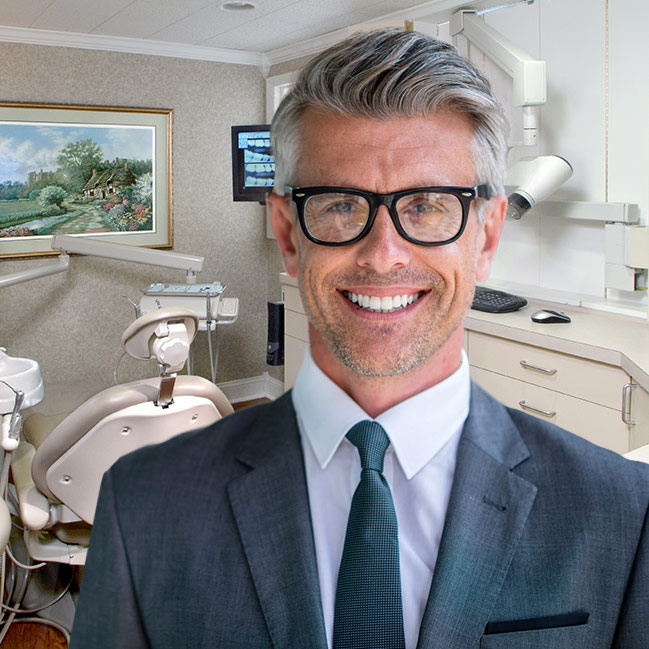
(272, 24)
(272, 31)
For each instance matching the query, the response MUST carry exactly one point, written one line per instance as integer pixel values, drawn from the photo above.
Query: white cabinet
(296, 334)
(580, 395)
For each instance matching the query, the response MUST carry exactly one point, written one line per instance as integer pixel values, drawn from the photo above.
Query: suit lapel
(271, 509)
(487, 511)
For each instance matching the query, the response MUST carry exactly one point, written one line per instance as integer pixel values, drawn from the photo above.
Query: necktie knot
(372, 442)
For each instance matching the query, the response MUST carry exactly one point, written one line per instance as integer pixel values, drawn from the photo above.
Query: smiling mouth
(384, 304)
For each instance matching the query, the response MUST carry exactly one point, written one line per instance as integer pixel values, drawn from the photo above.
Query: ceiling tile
(142, 18)
(23, 13)
(80, 16)
(211, 21)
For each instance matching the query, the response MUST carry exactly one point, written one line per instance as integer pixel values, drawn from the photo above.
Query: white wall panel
(572, 256)
(571, 37)
(628, 159)
(518, 257)
(573, 44)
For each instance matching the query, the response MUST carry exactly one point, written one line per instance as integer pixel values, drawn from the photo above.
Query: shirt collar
(418, 427)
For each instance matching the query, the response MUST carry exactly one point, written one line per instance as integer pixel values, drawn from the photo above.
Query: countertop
(618, 340)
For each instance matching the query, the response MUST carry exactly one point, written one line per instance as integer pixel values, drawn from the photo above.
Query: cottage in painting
(108, 182)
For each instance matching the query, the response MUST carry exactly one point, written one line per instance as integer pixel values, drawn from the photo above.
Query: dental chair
(57, 472)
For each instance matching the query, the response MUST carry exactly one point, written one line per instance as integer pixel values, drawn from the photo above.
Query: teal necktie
(368, 613)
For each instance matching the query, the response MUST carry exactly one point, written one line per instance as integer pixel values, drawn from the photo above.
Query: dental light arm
(61, 264)
(84, 246)
(191, 264)
(527, 73)
(535, 180)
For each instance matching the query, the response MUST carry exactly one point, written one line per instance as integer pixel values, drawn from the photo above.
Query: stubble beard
(353, 349)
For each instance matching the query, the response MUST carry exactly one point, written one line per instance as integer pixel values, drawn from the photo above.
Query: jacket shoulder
(563, 458)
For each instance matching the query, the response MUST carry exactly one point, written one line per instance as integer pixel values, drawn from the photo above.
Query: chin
(368, 365)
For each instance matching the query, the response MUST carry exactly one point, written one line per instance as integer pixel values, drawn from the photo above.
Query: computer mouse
(548, 316)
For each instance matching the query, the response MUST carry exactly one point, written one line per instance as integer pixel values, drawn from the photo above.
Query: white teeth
(385, 304)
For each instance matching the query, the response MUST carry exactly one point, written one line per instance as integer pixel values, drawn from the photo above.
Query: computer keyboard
(493, 301)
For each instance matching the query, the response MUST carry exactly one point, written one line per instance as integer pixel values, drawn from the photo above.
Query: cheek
(314, 265)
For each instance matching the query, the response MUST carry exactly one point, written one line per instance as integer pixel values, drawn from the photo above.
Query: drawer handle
(626, 403)
(529, 366)
(545, 413)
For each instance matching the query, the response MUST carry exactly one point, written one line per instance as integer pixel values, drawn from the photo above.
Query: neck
(376, 394)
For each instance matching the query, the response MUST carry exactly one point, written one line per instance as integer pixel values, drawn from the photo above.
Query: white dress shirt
(424, 433)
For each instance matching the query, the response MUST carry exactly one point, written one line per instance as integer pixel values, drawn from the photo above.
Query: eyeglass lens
(425, 216)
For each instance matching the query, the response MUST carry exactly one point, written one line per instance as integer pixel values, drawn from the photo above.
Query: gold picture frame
(100, 171)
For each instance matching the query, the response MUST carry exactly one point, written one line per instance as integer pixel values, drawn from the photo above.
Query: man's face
(435, 283)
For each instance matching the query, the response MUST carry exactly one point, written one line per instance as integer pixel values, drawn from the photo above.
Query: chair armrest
(34, 506)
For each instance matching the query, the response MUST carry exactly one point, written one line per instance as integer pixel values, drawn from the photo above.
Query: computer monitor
(253, 164)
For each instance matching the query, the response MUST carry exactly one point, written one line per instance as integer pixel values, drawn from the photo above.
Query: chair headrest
(164, 334)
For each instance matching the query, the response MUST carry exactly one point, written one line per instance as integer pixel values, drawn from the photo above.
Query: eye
(345, 206)
(421, 206)
(424, 207)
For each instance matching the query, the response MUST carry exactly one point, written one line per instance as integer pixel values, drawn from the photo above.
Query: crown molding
(317, 44)
(131, 45)
(437, 9)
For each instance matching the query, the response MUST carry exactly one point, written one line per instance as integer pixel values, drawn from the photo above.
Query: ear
(282, 221)
(492, 225)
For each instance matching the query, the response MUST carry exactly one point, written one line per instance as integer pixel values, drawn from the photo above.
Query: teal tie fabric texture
(368, 612)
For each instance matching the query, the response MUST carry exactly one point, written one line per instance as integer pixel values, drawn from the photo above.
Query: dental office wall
(595, 117)
(72, 323)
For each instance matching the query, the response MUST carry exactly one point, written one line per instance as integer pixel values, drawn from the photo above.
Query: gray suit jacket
(206, 541)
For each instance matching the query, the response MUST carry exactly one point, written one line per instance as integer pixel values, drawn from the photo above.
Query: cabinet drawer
(294, 350)
(296, 325)
(292, 300)
(598, 424)
(578, 377)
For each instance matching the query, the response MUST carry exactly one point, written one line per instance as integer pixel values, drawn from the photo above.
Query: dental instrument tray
(493, 301)
(203, 299)
(185, 290)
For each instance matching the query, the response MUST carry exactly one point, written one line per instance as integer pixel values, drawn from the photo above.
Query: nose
(383, 249)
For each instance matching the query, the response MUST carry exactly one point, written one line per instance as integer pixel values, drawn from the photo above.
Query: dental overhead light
(535, 180)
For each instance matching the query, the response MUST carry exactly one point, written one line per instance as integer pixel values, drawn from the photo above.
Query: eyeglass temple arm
(484, 191)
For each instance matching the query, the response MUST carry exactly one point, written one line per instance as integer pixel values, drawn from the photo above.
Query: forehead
(385, 155)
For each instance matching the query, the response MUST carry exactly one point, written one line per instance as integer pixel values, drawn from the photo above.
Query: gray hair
(390, 73)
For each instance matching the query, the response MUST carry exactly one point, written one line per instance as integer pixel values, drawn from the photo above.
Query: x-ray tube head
(537, 179)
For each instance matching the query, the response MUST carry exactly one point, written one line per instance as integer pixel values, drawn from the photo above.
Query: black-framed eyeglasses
(428, 216)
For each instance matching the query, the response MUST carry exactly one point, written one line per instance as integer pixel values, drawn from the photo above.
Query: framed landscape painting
(95, 171)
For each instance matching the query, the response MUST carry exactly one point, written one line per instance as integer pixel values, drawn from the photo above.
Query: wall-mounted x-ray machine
(627, 243)
(528, 74)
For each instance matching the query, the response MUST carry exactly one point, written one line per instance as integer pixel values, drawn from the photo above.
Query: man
(480, 526)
